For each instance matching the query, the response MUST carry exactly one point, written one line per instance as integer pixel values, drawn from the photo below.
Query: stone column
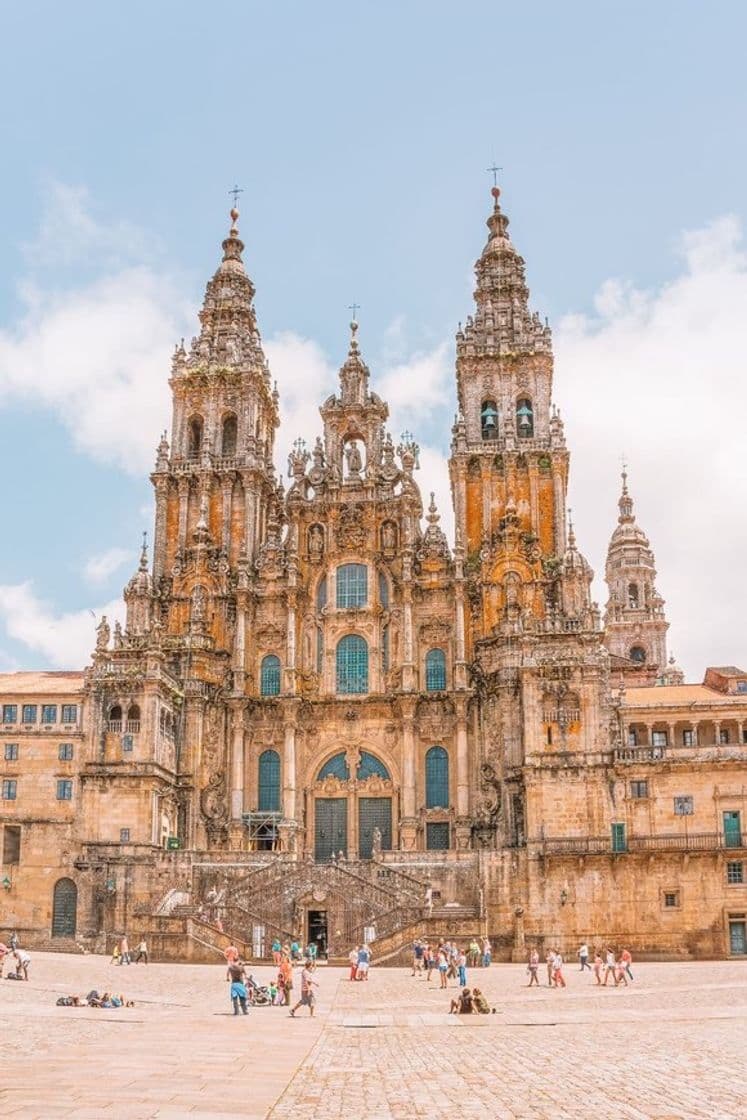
(183, 487)
(226, 491)
(717, 731)
(237, 767)
(463, 828)
(250, 517)
(159, 534)
(408, 667)
(560, 515)
(408, 826)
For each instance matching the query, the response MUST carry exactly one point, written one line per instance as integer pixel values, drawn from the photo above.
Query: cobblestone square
(669, 1047)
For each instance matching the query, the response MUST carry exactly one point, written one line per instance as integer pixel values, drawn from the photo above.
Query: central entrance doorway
(331, 828)
(317, 931)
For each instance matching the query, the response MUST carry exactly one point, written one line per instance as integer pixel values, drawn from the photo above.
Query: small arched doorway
(64, 908)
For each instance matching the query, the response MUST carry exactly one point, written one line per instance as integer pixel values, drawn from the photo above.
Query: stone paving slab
(670, 1047)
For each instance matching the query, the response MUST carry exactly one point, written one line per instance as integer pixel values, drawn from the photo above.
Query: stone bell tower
(539, 666)
(634, 623)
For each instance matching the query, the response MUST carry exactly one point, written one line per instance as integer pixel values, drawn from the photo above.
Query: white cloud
(659, 375)
(99, 568)
(65, 640)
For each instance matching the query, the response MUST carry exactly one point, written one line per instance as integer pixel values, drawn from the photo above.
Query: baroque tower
(539, 665)
(634, 623)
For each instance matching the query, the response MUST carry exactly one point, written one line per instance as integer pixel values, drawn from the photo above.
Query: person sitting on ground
(481, 1004)
(464, 1004)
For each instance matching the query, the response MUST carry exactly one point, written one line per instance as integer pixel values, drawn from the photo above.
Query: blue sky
(361, 134)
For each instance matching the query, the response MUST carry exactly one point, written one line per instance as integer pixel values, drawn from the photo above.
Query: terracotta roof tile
(62, 683)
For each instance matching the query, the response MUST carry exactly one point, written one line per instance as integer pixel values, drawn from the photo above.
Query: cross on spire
(236, 191)
(494, 169)
(355, 308)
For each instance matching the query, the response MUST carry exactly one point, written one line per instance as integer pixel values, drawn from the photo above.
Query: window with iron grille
(632, 737)
(11, 752)
(658, 738)
(352, 586)
(49, 713)
(436, 837)
(69, 713)
(270, 675)
(435, 670)
(639, 790)
(436, 778)
(28, 713)
(269, 782)
(688, 737)
(735, 872)
(10, 787)
(352, 665)
(64, 789)
(683, 806)
(10, 713)
(723, 735)
(671, 900)
(124, 835)
(65, 752)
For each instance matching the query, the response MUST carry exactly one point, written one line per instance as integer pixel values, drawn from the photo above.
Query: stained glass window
(335, 767)
(435, 670)
(352, 665)
(436, 778)
(352, 586)
(369, 764)
(269, 782)
(270, 675)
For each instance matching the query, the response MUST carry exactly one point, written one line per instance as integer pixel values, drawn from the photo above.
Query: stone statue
(376, 843)
(316, 542)
(103, 634)
(354, 461)
(388, 537)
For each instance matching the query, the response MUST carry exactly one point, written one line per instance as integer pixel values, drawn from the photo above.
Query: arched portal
(352, 811)
(64, 908)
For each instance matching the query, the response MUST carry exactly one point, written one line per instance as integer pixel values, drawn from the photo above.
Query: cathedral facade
(320, 718)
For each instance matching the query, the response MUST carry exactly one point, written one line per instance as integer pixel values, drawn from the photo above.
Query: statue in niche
(354, 460)
(199, 603)
(316, 542)
(376, 843)
(388, 537)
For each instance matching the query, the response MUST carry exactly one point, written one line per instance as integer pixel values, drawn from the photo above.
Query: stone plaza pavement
(670, 1047)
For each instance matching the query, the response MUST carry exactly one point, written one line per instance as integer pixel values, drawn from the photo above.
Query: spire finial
(494, 169)
(144, 553)
(235, 191)
(571, 530)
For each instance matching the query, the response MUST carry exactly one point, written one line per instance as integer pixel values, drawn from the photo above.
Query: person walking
(443, 965)
(285, 978)
(487, 953)
(549, 956)
(462, 968)
(533, 968)
(597, 970)
(430, 961)
(418, 952)
(124, 950)
(364, 960)
(558, 979)
(626, 961)
(609, 966)
(277, 952)
(583, 956)
(308, 999)
(141, 953)
(353, 958)
(237, 975)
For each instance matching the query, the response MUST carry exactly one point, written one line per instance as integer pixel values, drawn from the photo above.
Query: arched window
(115, 718)
(352, 586)
(229, 435)
(268, 784)
(352, 665)
(638, 654)
(383, 591)
(194, 437)
(634, 598)
(435, 670)
(489, 420)
(270, 675)
(525, 418)
(335, 767)
(321, 594)
(436, 778)
(370, 765)
(133, 717)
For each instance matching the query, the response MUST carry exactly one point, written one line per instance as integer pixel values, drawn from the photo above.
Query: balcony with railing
(606, 845)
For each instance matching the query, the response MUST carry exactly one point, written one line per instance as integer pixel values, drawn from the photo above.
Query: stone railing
(603, 845)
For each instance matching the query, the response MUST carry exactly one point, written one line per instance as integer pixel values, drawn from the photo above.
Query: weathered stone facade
(317, 708)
